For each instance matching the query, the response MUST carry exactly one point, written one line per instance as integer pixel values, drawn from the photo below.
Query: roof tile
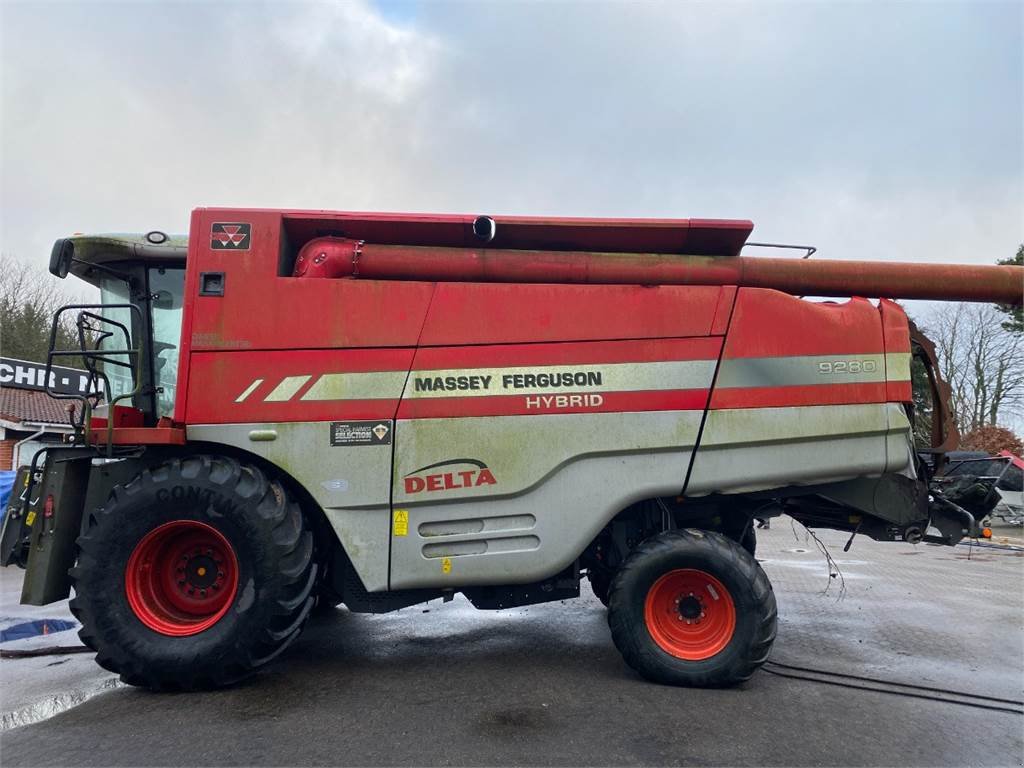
(33, 406)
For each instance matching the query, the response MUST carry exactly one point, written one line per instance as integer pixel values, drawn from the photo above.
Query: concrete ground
(33, 689)
(443, 684)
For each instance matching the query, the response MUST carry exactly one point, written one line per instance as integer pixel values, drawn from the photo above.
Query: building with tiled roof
(31, 407)
(29, 418)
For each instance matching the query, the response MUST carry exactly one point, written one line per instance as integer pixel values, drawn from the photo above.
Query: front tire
(193, 575)
(600, 584)
(692, 608)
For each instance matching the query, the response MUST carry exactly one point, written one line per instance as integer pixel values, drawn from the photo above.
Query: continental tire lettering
(190, 493)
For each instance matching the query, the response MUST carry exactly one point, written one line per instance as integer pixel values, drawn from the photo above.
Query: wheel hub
(181, 578)
(200, 571)
(690, 614)
(690, 607)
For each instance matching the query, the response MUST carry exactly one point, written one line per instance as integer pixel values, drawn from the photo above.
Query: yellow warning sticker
(446, 565)
(30, 518)
(401, 522)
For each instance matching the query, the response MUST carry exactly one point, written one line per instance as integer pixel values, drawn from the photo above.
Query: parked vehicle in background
(1005, 472)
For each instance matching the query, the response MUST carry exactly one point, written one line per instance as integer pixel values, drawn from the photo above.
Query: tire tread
(290, 546)
(632, 639)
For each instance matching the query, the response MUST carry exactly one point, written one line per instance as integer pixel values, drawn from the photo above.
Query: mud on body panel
(348, 476)
(752, 449)
(519, 497)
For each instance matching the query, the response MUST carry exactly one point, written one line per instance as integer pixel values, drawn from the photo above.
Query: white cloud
(893, 134)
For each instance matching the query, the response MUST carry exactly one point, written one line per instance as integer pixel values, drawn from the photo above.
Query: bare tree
(982, 362)
(29, 297)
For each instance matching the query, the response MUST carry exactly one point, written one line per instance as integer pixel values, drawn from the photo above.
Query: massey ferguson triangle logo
(230, 236)
(473, 474)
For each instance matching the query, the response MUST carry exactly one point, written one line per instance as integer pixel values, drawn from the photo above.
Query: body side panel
(507, 476)
(802, 395)
(297, 385)
(552, 483)
(352, 484)
(500, 313)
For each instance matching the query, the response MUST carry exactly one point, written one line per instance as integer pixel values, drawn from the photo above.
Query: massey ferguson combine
(379, 410)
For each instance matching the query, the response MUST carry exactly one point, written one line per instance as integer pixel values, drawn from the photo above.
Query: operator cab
(129, 341)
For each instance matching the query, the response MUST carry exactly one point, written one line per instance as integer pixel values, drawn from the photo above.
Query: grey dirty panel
(570, 507)
(351, 483)
(799, 370)
(748, 449)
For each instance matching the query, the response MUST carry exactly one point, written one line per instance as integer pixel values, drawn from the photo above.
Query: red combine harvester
(294, 407)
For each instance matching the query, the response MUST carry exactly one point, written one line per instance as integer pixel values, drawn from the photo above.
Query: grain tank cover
(699, 237)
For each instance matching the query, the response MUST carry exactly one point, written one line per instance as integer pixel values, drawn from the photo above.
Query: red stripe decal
(538, 405)
(815, 394)
(258, 411)
(898, 392)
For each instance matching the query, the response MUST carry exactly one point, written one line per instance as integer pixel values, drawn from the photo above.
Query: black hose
(52, 650)
(1013, 706)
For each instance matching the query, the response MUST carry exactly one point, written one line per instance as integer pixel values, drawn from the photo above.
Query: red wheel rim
(690, 614)
(181, 578)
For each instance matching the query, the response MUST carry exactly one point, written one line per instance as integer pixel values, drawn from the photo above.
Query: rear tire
(193, 575)
(692, 608)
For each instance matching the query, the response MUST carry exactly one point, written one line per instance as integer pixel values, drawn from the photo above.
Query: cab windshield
(165, 286)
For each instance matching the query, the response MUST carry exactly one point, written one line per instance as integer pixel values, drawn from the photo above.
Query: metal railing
(93, 330)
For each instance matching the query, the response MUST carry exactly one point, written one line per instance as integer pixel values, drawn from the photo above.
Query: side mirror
(60, 257)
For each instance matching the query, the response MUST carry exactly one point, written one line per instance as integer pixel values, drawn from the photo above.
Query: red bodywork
(269, 324)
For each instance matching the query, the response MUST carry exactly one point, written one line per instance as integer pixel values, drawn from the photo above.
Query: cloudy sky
(872, 130)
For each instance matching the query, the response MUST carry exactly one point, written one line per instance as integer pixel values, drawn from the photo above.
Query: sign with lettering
(22, 374)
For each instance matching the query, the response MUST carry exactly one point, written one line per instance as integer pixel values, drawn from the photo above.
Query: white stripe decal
(555, 379)
(800, 370)
(248, 390)
(286, 389)
(375, 385)
(602, 377)
(897, 366)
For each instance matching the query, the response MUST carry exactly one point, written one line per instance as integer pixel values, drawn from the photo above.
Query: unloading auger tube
(335, 257)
